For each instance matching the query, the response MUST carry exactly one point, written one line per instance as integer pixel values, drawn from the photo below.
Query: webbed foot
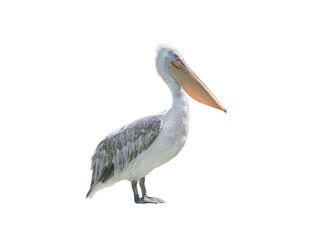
(147, 199)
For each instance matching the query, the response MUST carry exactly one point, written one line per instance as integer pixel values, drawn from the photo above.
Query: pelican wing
(121, 147)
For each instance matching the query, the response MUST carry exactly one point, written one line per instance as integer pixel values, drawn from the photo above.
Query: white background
(73, 71)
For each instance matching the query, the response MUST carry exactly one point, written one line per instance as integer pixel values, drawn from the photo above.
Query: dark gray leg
(142, 186)
(135, 191)
(144, 195)
(137, 198)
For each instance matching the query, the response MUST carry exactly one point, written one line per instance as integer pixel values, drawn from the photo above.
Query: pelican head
(173, 69)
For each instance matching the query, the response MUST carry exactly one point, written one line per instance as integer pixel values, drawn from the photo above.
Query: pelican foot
(147, 199)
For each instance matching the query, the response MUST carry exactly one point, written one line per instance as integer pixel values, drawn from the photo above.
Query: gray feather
(121, 147)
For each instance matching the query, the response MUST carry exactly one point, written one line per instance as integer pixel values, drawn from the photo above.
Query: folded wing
(121, 147)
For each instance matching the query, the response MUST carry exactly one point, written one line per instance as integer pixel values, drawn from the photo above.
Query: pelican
(133, 151)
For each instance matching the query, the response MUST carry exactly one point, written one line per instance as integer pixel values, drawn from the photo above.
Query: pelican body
(133, 151)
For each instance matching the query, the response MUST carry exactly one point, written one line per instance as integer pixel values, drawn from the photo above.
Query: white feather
(169, 139)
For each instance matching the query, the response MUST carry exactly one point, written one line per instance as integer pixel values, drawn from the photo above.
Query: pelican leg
(135, 191)
(144, 195)
(144, 198)
(142, 186)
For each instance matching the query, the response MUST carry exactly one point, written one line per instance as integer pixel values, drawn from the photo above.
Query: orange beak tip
(225, 110)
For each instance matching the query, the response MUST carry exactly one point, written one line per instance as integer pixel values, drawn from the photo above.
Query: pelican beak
(195, 88)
